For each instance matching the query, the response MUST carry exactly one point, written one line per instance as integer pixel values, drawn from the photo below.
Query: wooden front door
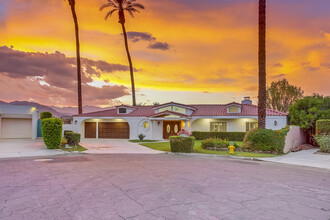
(90, 129)
(171, 128)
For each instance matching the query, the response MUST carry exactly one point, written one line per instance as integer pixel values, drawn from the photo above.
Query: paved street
(160, 186)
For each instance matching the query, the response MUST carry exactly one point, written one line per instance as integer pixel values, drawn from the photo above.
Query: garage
(16, 128)
(119, 130)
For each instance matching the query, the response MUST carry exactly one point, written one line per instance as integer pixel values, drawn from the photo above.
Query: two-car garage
(107, 130)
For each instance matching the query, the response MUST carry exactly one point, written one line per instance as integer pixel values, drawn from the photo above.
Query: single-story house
(162, 121)
(18, 122)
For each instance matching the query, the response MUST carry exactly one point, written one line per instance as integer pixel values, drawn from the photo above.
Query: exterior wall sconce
(158, 123)
(75, 122)
(275, 123)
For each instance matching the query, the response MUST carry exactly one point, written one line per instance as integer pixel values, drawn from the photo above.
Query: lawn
(73, 148)
(165, 146)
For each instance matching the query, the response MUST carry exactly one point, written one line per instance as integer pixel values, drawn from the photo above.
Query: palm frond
(138, 5)
(130, 12)
(110, 4)
(109, 14)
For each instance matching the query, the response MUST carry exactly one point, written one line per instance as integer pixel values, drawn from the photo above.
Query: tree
(280, 95)
(72, 4)
(262, 65)
(123, 6)
(305, 112)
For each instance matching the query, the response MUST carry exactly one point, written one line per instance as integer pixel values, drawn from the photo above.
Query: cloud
(51, 78)
(279, 76)
(144, 36)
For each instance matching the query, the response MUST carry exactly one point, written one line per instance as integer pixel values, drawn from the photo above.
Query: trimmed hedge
(72, 138)
(44, 115)
(265, 140)
(322, 127)
(216, 143)
(182, 144)
(52, 132)
(324, 142)
(230, 136)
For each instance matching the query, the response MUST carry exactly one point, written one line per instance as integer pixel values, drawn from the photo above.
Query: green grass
(73, 148)
(139, 141)
(165, 146)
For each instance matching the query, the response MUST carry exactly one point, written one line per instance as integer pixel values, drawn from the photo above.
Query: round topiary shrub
(182, 144)
(44, 115)
(265, 140)
(52, 132)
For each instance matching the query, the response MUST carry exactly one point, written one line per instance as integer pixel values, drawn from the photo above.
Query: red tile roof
(201, 110)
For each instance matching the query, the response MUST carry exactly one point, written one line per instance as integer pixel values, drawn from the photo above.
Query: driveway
(160, 186)
(115, 146)
(303, 158)
(25, 148)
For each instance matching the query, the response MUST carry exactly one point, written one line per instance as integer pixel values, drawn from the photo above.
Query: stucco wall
(281, 122)
(157, 132)
(295, 137)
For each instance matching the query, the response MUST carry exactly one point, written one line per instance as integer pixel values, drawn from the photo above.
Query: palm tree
(121, 6)
(72, 4)
(262, 65)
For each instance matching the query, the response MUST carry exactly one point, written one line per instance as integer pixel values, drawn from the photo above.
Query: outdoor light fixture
(275, 123)
(158, 123)
(75, 122)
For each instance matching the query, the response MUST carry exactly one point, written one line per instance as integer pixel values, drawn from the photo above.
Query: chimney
(247, 100)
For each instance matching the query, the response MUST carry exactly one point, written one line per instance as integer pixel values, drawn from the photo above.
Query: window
(168, 108)
(179, 110)
(233, 109)
(251, 125)
(218, 126)
(122, 110)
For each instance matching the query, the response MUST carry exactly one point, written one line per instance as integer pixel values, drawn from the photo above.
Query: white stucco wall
(157, 132)
(295, 137)
(17, 112)
(281, 122)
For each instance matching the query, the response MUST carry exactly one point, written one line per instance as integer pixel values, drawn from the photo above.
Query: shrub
(323, 127)
(52, 132)
(266, 140)
(182, 144)
(231, 136)
(216, 143)
(324, 142)
(184, 133)
(141, 137)
(67, 131)
(64, 141)
(44, 115)
(73, 138)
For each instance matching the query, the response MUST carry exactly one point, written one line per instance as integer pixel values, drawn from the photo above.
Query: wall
(157, 130)
(295, 137)
(280, 120)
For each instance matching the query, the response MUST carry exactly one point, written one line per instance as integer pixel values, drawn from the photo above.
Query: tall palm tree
(72, 4)
(262, 65)
(131, 7)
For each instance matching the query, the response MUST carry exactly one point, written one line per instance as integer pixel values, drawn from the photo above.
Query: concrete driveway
(25, 148)
(115, 146)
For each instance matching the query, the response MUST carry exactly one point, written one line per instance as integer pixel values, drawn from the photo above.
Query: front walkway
(10, 148)
(303, 158)
(115, 146)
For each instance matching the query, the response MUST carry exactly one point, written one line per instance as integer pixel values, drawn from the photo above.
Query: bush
(67, 131)
(141, 137)
(44, 115)
(324, 142)
(265, 140)
(73, 138)
(231, 136)
(64, 141)
(216, 143)
(182, 144)
(323, 127)
(52, 132)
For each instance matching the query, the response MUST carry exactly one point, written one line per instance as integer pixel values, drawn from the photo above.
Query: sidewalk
(303, 158)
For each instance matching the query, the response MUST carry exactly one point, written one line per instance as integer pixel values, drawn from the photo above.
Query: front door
(171, 128)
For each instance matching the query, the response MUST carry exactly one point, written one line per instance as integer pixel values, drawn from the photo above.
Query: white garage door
(16, 128)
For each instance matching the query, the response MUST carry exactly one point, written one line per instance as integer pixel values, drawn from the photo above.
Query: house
(162, 121)
(18, 122)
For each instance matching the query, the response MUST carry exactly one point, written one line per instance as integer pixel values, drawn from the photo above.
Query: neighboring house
(160, 122)
(18, 122)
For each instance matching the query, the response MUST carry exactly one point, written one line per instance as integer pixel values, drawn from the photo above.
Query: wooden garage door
(16, 128)
(114, 130)
(90, 129)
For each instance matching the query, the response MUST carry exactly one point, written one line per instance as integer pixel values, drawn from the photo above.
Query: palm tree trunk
(74, 15)
(130, 64)
(262, 65)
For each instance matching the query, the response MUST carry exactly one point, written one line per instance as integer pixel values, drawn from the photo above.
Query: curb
(216, 155)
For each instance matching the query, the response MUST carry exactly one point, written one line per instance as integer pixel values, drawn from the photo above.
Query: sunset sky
(188, 51)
